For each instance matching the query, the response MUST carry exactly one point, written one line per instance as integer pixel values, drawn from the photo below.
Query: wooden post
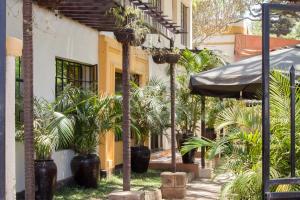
(28, 100)
(173, 136)
(126, 119)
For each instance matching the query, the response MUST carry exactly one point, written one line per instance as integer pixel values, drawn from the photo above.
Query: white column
(13, 49)
(10, 129)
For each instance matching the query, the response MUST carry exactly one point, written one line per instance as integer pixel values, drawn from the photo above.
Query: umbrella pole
(202, 130)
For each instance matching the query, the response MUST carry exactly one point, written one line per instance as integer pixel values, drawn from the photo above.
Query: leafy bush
(92, 114)
(242, 144)
(52, 130)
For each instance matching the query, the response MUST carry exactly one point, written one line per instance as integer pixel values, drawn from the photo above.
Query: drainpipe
(2, 95)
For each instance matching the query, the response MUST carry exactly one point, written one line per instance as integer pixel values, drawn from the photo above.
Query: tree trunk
(126, 119)
(173, 139)
(27, 61)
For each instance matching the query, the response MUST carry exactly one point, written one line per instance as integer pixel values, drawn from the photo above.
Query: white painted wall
(222, 44)
(53, 37)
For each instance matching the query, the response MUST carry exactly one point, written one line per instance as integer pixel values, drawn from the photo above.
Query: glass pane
(71, 74)
(18, 68)
(118, 83)
(65, 67)
(59, 86)
(59, 68)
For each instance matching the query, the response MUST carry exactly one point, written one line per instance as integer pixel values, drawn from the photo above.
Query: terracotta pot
(172, 58)
(159, 58)
(140, 158)
(45, 179)
(125, 35)
(49, 3)
(85, 169)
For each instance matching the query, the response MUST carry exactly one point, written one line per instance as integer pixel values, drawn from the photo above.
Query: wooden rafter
(93, 13)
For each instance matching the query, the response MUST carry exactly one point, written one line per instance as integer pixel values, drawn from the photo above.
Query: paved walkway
(206, 189)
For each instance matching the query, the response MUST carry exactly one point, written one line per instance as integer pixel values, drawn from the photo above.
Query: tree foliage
(188, 107)
(211, 17)
(242, 144)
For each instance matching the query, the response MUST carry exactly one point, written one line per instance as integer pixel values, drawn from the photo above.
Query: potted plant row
(52, 131)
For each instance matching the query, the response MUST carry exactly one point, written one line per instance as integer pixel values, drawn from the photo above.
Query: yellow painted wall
(110, 59)
(234, 30)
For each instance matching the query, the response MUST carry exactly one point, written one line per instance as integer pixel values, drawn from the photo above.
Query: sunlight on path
(206, 189)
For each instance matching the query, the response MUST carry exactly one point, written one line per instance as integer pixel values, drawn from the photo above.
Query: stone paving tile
(206, 189)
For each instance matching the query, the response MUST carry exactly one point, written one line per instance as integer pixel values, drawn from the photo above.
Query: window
(157, 4)
(75, 73)
(135, 78)
(19, 91)
(184, 20)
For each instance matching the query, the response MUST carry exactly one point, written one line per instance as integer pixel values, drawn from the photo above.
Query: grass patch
(147, 181)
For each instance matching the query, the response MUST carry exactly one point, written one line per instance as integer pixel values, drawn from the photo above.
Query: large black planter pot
(125, 35)
(210, 134)
(172, 58)
(85, 169)
(189, 157)
(140, 158)
(159, 58)
(45, 179)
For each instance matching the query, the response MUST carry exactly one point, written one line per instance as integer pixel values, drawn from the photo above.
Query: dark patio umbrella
(243, 78)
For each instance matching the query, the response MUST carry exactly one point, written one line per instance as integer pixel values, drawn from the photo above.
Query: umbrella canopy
(243, 78)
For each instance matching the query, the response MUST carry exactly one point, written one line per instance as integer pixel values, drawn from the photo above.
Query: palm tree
(52, 130)
(242, 145)
(28, 100)
(191, 108)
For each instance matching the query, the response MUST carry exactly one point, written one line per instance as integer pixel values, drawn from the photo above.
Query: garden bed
(147, 181)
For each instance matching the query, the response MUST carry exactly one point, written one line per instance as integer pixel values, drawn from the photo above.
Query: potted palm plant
(188, 110)
(188, 114)
(130, 26)
(149, 116)
(52, 130)
(91, 117)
